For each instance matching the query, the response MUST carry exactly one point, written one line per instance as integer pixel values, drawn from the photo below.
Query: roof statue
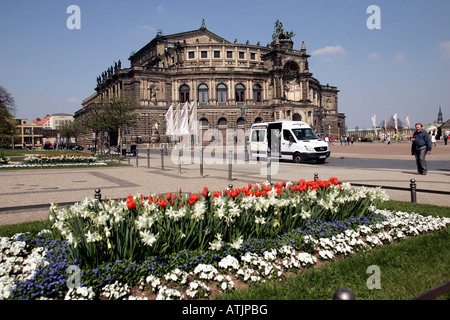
(280, 34)
(203, 26)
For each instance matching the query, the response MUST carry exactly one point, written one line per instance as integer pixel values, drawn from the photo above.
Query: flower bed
(141, 226)
(64, 158)
(37, 267)
(54, 161)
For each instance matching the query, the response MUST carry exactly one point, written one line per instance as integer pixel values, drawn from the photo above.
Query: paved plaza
(34, 190)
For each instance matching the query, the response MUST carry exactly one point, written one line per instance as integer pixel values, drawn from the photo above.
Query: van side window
(287, 135)
(258, 135)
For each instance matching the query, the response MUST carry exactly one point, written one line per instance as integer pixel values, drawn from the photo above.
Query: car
(366, 140)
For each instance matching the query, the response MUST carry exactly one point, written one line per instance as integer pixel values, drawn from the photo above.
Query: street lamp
(244, 109)
(321, 116)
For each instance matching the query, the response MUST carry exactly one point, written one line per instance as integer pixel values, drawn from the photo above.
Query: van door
(274, 139)
(288, 143)
(258, 141)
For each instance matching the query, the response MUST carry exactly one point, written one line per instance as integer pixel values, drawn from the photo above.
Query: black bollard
(98, 195)
(179, 158)
(413, 191)
(269, 166)
(148, 157)
(201, 162)
(162, 158)
(137, 164)
(230, 160)
(316, 176)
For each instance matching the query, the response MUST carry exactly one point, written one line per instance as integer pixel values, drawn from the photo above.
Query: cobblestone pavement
(36, 189)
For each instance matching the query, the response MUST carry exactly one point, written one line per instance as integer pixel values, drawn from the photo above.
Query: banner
(374, 122)
(407, 121)
(396, 122)
(169, 121)
(176, 121)
(193, 125)
(184, 125)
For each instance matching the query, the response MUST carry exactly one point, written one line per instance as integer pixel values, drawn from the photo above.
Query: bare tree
(112, 115)
(390, 124)
(7, 102)
(7, 119)
(71, 129)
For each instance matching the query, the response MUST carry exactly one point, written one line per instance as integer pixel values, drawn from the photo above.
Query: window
(240, 93)
(204, 124)
(241, 55)
(184, 93)
(252, 55)
(222, 122)
(287, 135)
(216, 54)
(204, 54)
(258, 135)
(257, 93)
(305, 134)
(229, 54)
(203, 93)
(191, 55)
(221, 93)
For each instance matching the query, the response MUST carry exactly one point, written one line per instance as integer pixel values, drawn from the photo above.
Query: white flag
(176, 121)
(396, 122)
(169, 121)
(193, 125)
(184, 125)
(374, 122)
(407, 121)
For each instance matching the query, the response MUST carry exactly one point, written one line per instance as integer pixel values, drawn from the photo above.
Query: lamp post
(244, 109)
(321, 116)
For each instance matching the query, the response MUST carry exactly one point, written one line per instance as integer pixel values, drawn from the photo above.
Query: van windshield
(305, 134)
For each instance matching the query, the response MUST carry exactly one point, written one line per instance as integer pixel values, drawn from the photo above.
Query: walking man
(421, 145)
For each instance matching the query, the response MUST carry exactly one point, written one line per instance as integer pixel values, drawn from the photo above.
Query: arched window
(258, 120)
(203, 93)
(221, 93)
(222, 122)
(204, 124)
(257, 93)
(184, 93)
(240, 93)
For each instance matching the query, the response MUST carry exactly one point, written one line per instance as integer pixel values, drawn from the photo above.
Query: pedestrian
(433, 140)
(445, 137)
(421, 145)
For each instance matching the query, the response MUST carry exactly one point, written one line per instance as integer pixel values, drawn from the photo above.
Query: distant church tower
(439, 119)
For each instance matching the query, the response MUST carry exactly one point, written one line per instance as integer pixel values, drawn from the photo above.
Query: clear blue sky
(402, 67)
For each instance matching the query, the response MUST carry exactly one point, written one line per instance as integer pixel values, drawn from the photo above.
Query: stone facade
(272, 82)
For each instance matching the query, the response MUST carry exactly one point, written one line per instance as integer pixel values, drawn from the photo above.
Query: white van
(290, 140)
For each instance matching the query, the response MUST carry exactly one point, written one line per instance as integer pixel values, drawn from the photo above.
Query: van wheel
(298, 158)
